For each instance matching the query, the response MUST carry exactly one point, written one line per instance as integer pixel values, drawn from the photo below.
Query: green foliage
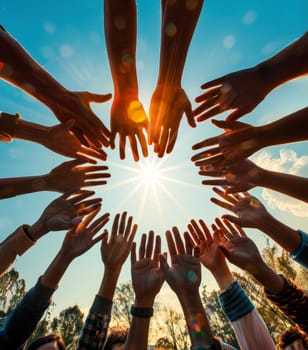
(68, 324)
(122, 301)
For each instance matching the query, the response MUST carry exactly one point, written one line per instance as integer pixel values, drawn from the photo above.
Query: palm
(59, 215)
(250, 212)
(116, 253)
(210, 255)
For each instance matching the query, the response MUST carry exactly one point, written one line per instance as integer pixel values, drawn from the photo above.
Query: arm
(245, 89)
(61, 214)
(147, 278)
(184, 277)
(241, 140)
(30, 310)
(22, 71)
(244, 175)
(114, 253)
(169, 101)
(250, 329)
(251, 213)
(65, 178)
(242, 251)
(128, 117)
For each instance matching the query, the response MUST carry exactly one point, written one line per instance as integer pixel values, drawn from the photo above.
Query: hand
(81, 238)
(61, 140)
(69, 177)
(184, 274)
(115, 250)
(64, 213)
(249, 210)
(168, 104)
(129, 119)
(210, 254)
(239, 249)
(242, 91)
(147, 276)
(238, 142)
(238, 177)
(88, 128)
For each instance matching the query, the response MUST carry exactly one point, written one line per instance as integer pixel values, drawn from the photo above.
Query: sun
(150, 173)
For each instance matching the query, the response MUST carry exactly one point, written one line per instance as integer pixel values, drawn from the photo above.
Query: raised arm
(128, 118)
(114, 251)
(245, 175)
(68, 177)
(250, 212)
(18, 68)
(241, 251)
(147, 278)
(242, 91)
(169, 101)
(241, 140)
(61, 214)
(25, 317)
(250, 329)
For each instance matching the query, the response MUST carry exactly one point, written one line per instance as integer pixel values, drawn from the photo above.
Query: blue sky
(66, 37)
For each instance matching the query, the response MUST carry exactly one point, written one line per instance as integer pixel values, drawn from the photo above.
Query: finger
(79, 134)
(98, 224)
(208, 142)
(233, 219)
(98, 98)
(196, 252)
(230, 125)
(231, 228)
(206, 231)
(93, 168)
(122, 223)
(142, 246)
(189, 116)
(171, 141)
(100, 154)
(215, 182)
(188, 243)
(99, 238)
(197, 230)
(157, 249)
(74, 163)
(227, 197)
(223, 228)
(97, 176)
(163, 263)
(210, 113)
(149, 246)
(78, 198)
(212, 173)
(133, 233)
(209, 103)
(193, 234)
(178, 241)
(208, 95)
(222, 204)
(213, 83)
(236, 114)
(133, 146)
(171, 244)
(143, 143)
(112, 140)
(128, 228)
(114, 229)
(163, 142)
(206, 154)
(94, 183)
(133, 254)
(122, 146)
(86, 209)
(87, 220)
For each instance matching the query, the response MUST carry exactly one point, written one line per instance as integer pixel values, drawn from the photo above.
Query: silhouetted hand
(168, 104)
(240, 91)
(129, 120)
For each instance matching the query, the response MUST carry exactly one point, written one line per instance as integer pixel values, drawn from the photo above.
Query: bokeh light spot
(120, 22)
(136, 112)
(170, 29)
(229, 41)
(249, 17)
(66, 51)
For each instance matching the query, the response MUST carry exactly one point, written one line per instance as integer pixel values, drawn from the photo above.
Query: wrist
(143, 312)
(144, 302)
(37, 230)
(267, 277)
(223, 277)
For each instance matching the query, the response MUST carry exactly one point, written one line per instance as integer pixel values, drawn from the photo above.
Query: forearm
(292, 128)
(56, 270)
(31, 132)
(291, 185)
(179, 20)
(109, 283)
(21, 70)
(289, 63)
(120, 33)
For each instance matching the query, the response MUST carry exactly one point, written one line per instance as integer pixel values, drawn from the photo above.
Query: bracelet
(143, 312)
(26, 231)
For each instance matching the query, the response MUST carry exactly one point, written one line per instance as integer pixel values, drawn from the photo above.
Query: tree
(122, 301)
(163, 343)
(69, 324)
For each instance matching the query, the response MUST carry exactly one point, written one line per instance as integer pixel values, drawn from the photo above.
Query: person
(116, 339)
(114, 251)
(243, 90)
(244, 175)
(67, 177)
(23, 320)
(241, 251)
(184, 278)
(128, 118)
(63, 213)
(169, 101)
(241, 140)
(249, 327)
(57, 138)
(47, 342)
(147, 279)
(293, 339)
(250, 212)
(18, 68)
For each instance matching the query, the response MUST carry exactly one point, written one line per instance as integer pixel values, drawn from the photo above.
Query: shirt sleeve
(293, 302)
(8, 124)
(23, 320)
(301, 254)
(95, 328)
(249, 327)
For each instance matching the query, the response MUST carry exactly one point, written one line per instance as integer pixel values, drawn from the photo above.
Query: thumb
(231, 125)
(163, 262)
(233, 219)
(98, 98)
(68, 124)
(189, 116)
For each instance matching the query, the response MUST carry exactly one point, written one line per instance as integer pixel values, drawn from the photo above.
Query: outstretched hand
(129, 120)
(61, 139)
(168, 104)
(240, 91)
(88, 128)
(147, 276)
(239, 141)
(70, 176)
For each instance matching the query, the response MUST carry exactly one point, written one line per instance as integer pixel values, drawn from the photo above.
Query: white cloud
(289, 163)
(229, 41)
(249, 17)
